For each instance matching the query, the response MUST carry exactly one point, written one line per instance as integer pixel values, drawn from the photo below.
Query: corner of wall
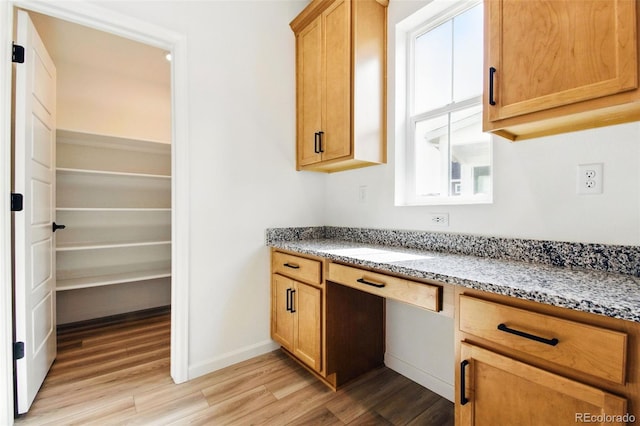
(230, 358)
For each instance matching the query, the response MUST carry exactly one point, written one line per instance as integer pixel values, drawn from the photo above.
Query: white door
(34, 177)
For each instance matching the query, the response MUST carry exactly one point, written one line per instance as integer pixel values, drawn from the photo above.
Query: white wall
(242, 158)
(534, 183)
(242, 130)
(6, 296)
(534, 197)
(94, 100)
(534, 192)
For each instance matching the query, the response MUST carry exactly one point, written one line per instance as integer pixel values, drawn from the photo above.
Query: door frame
(112, 22)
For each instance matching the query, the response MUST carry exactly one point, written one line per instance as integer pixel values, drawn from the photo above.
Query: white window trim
(425, 19)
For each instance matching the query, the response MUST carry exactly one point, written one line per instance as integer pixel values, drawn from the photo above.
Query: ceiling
(84, 46)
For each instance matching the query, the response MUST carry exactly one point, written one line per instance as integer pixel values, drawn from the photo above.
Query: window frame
(429, 22)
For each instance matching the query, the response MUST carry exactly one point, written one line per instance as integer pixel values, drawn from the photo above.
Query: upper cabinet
(553, 66)
(341, 84)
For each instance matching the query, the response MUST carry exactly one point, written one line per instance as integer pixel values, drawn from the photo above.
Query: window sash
(411, 196)
(437, 20)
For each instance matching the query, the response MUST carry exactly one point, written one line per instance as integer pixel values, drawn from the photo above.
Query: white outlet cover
(589, 179)
(440, 219)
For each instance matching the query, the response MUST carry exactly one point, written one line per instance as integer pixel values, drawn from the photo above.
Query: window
(447, 156)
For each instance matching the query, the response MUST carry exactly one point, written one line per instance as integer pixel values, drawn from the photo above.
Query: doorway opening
(172, 254)
(113, 172)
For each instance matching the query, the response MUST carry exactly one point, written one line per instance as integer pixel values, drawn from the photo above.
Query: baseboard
(429, 381)
(112, 319)
(231, 358)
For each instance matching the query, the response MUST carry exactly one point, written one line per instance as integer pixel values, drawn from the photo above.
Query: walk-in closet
(113, 173)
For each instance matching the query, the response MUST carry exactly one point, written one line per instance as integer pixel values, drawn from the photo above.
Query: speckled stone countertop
(590, 288)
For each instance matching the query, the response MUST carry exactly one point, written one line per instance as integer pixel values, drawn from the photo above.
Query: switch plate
(589, 178)
(362, 194)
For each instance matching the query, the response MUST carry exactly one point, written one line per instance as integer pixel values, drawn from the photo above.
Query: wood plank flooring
(119, 374)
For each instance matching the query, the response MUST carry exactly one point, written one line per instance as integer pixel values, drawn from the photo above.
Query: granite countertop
(612, 294)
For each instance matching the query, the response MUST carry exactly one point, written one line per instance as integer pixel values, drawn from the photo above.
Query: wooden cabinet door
(549, 53)
(309, 104)
(336, 110)
(282, 320)
(308, 316)
(503, 391)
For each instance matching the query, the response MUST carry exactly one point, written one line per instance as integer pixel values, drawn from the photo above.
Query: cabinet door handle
(316, 143)
(551, 342)
(288, 300)
(492, 99)
(321, 133)
(292, 266)
(463, 383)
(293, 307)
(363, 281)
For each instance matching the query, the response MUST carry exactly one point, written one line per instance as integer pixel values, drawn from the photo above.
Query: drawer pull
(363, 281)
(463, 383)
(289, 265)
(551, 342)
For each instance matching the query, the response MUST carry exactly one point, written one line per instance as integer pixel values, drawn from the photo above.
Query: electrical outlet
(589, 178)
(440, 219)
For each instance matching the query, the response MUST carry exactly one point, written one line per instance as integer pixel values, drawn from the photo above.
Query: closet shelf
(69, 171)
(113, 209)
(99, 246)
(114, 196)
(112, 278)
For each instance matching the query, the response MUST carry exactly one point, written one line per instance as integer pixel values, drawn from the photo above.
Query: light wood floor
(120, 375)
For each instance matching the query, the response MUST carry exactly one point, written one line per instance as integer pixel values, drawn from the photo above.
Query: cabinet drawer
(415, 293)
(296, 267)
(589, 349)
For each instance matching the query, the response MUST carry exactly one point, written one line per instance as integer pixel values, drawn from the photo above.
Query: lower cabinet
(296, 319)
(499, 390)
(525, 363)
(335, 331)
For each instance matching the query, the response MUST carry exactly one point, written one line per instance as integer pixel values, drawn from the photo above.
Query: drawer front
(415, 293)
(298, 268)
(593, 350)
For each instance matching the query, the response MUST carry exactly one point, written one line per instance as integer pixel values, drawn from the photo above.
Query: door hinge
(16, 202)
(18, 350)
(17, 54)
